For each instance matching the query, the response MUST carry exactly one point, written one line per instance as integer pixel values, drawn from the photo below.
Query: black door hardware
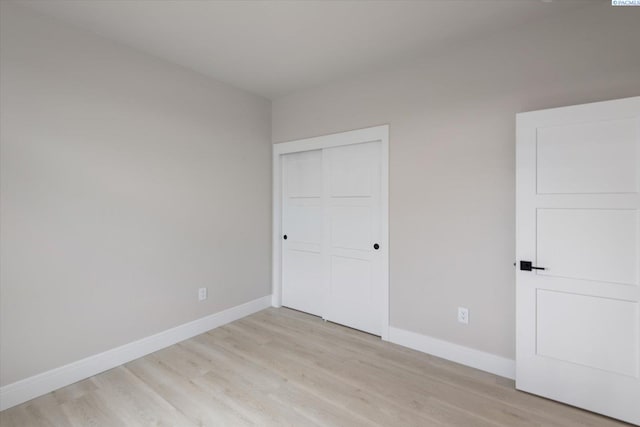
(376, 246)
(284, 237)
(527, 266)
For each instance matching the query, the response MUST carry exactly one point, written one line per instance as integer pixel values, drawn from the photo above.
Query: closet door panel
(302, 224)
(352, 182)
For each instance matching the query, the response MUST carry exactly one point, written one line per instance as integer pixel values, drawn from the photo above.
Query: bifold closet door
(302, 225)
(353, 258)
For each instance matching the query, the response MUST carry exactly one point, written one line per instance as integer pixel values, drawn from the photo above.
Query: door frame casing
(371, 134)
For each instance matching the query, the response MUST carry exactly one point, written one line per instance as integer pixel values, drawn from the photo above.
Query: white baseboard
(37, 385)
(488, 362)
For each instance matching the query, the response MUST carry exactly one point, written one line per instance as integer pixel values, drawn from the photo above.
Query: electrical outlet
(202, 294)
(463, 315)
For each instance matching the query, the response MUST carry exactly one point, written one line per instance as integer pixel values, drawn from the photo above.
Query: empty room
(319, 213)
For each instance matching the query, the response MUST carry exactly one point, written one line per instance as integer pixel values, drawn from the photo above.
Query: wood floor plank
(325, 384)
(546, 411)
(89, 410)
(281, 367)
(21, 416)
(195, 403)
(135, 402)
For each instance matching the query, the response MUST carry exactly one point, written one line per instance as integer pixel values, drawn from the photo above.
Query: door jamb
(359, 136)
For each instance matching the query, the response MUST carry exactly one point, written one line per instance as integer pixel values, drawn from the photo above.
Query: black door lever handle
(528, 266)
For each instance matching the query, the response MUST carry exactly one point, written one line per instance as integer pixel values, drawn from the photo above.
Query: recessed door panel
(302, 219)
(590, 244)
(352, 227)
(570, 336)
(351, 279)
(589, 157)
(302, 276)
(304, 174)
(351, 174)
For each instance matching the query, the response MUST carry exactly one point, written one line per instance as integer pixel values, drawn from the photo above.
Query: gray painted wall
(452, 150)
(126, 184)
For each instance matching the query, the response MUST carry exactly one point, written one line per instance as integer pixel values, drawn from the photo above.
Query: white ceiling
(276, 47)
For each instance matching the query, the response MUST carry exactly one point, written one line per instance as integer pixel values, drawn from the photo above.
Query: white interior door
(578, 218)
(353, 257)
(302, 219)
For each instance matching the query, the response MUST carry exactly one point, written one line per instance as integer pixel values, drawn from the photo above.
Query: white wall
(126, 184)
(452, 156)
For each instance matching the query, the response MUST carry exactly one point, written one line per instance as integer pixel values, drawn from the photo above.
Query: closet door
(302, 227)
(353, 254)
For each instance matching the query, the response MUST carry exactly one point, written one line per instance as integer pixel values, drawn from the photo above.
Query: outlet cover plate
(463, 315)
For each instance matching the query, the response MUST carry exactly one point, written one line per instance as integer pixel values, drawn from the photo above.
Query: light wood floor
(282, 367)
